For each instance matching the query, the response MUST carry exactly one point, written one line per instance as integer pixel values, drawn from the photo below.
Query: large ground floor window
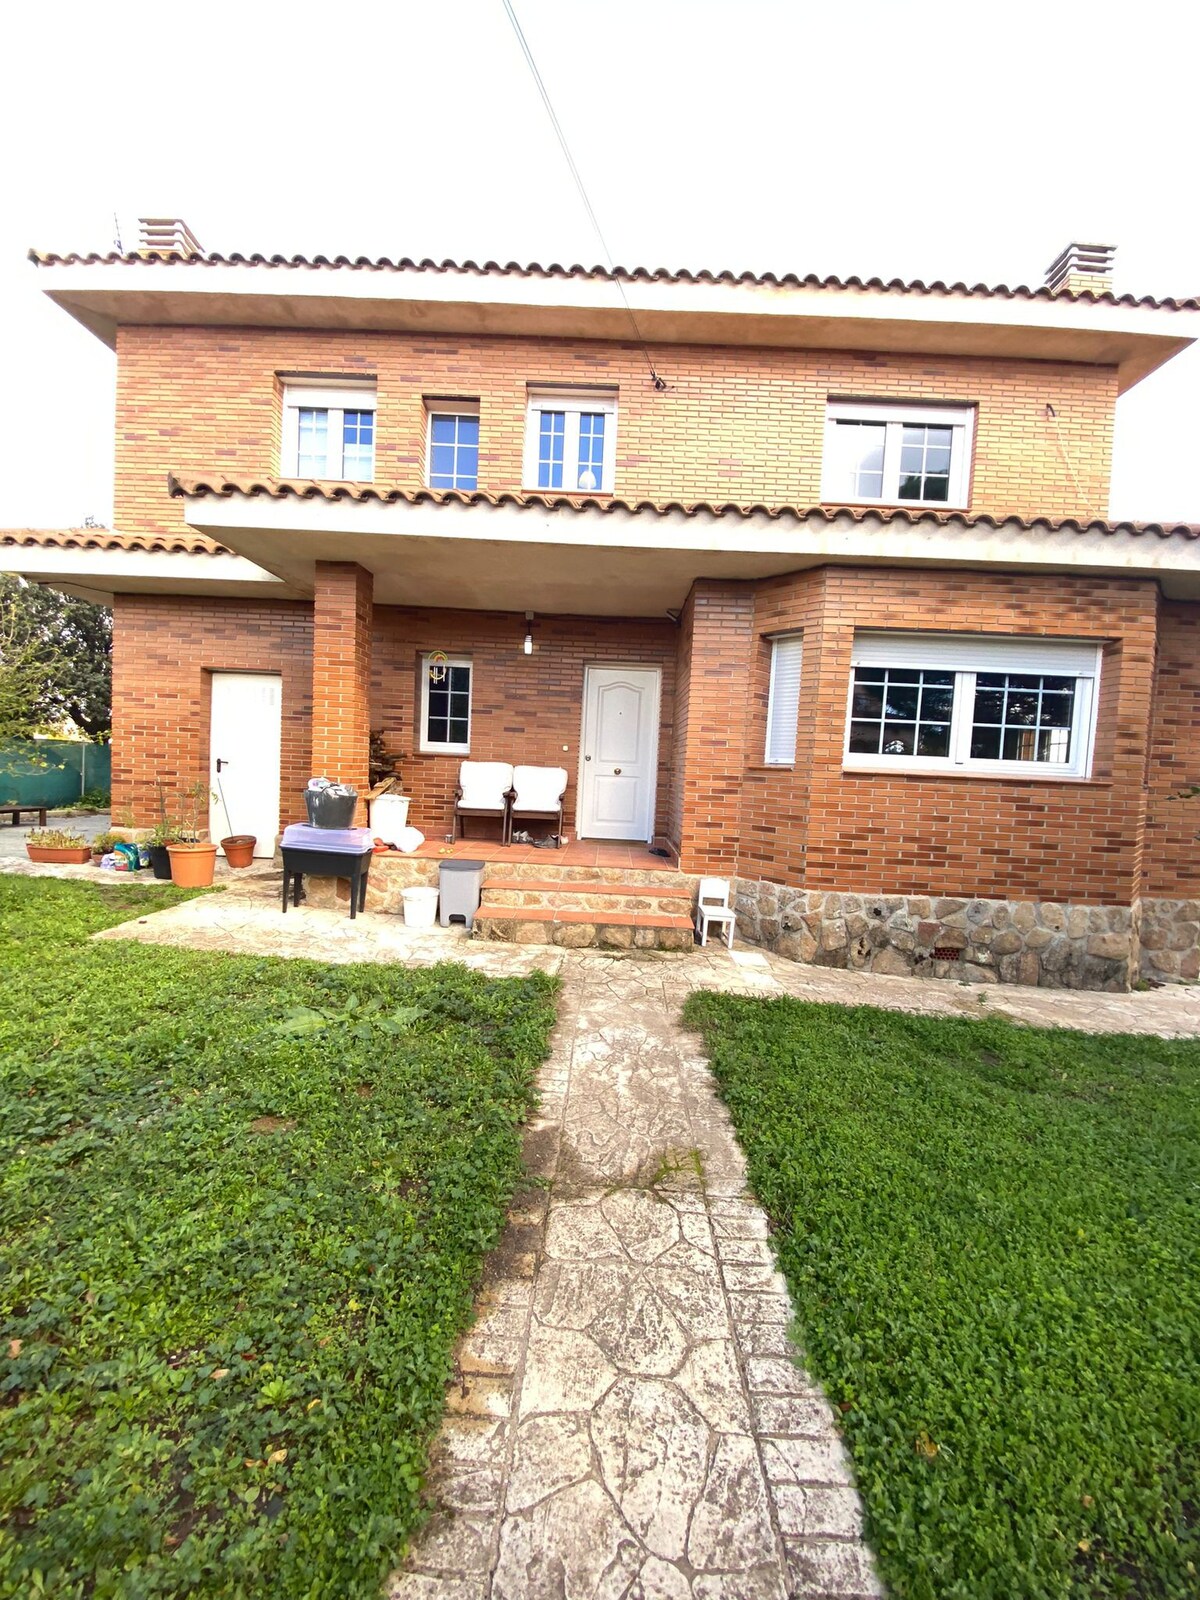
(970, 702)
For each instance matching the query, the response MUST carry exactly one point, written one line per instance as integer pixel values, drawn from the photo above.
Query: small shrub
(55, 839)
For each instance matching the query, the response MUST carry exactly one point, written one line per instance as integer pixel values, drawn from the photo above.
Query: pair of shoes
(521, 838)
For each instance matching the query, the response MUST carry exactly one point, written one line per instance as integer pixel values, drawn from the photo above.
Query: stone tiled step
(551, 869)
(579, 928)
(550, 893)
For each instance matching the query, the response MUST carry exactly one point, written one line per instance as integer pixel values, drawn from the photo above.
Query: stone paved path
(629, 1418)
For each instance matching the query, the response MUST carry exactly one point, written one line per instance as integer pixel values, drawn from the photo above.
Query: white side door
(246, 725)
(618, 775)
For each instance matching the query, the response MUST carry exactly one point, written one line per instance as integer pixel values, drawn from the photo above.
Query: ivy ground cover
(992, 1236)
(243, 1209)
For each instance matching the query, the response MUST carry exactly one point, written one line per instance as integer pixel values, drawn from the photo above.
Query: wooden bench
(14, 813)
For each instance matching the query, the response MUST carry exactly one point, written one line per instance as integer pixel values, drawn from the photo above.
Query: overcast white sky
(914, 140)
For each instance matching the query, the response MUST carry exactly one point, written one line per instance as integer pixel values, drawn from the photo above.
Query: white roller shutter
(977, 652)
(783, 704)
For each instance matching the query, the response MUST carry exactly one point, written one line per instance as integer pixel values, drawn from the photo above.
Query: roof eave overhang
(1134, 339)
(627, 563)
(98, 574)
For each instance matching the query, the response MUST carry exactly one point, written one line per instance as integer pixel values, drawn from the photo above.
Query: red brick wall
(734, 424)
(164, 650)
(524, 709)
(906, 833)
(1172, 857)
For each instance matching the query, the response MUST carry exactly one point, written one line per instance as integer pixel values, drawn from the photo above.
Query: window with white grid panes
(452, 444)
(328, 432)
(445, 705)
(569, 441)
(972, 703)
(892, 454)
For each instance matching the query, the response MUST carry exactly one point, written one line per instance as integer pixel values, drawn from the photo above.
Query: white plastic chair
(482, 792)
(712, 905)
(537, 792)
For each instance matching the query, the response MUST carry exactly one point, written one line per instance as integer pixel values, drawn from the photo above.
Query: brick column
(715, 670)
(342, 607)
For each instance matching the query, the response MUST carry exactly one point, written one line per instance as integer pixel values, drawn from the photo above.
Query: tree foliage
(55, 661)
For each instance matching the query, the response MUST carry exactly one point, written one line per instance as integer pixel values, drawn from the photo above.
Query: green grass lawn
(992, 1234)
(243, 1208)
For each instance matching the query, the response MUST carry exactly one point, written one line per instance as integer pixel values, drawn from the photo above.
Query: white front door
(246, 721)
(618, 774)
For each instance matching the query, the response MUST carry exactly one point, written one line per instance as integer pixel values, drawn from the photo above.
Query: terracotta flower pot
(239, 849)
(192, 865)
(80, 857)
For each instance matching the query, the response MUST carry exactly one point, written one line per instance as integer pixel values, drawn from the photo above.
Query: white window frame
(429, 746)
(895, 414)
(573, 403)
(435, 407)
(967, 655)
(775, 709)
(336, 399)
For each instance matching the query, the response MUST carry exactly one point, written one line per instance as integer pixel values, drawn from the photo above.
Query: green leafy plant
(235, 1252)
(102, 843)
(193, 806)
(94, 800)
(167, 832)
(55, 839)
(990, 1235)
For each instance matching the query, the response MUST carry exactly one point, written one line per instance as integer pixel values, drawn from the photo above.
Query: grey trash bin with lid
(461, 889)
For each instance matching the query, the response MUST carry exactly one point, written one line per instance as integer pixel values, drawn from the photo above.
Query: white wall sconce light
(529, 633)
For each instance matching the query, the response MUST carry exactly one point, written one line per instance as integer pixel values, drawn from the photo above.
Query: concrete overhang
(1135, 338)
(98, 574)
(630, 564)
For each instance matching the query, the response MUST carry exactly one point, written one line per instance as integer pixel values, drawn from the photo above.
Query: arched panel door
(619, 770)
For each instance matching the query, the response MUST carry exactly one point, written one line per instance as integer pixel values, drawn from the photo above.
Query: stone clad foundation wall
(1046, 943)
(1170, 939)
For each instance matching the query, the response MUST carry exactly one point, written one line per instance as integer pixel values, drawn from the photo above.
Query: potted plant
(238, 847)
(164, 834)
(102, 843)
(193, 862)
(62, 846)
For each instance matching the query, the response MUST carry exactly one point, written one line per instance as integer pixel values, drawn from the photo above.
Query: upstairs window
(897, 455)
(783, 702)
(329, 431)
(972, 703)
(570, 441)
(452, 444)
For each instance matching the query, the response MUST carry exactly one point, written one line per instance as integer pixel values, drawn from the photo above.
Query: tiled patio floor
(578, 853)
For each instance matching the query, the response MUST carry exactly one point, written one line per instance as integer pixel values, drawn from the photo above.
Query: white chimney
(1082, 268)
(166, 236)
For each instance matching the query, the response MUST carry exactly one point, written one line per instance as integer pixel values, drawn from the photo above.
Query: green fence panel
(51, 772)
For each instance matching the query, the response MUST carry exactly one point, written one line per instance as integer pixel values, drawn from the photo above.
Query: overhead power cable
(659, 383)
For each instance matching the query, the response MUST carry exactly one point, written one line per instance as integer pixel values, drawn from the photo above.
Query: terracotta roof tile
(192, 544)
(534, 269)
(194, 487)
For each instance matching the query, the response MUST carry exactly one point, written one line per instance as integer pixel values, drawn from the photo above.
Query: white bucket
(420, 907)
(389, 817)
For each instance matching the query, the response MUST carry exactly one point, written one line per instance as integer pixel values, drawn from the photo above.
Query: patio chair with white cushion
(483, 788)
(712, 905)
(538, 792)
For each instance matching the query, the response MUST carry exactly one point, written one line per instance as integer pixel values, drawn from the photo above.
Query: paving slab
(630, 1416)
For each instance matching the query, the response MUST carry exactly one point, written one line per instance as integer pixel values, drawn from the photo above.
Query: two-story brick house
(809, 581)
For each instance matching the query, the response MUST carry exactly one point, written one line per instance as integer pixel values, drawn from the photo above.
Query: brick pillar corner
(342, 611)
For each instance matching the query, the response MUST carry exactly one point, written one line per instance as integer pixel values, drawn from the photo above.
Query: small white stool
(712, 905)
